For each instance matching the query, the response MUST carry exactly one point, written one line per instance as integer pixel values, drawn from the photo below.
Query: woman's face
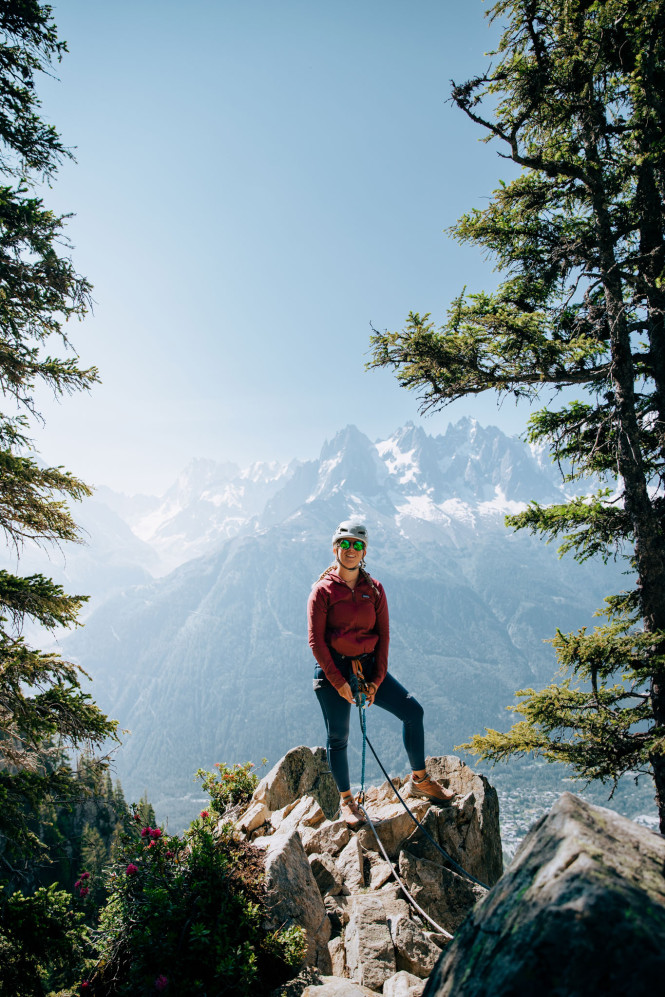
(349, 558)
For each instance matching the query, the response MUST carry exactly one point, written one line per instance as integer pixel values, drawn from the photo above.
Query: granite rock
(474, 830)
(357, 920)
(328, 877)
(580, 912)
(370, 954)
(329, 837)
(332, 986)
(403, 984)
(414, 952)
(351, 863)
(294, 897)
(301, 772)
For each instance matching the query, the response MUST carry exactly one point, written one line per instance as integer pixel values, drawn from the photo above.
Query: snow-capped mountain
(211, 662)
(466, 473)
(209, 502)
(443, 482)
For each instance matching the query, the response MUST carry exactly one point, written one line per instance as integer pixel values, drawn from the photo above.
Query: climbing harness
(359, 690)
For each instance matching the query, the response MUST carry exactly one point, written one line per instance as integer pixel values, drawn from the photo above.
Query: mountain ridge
(210, 662)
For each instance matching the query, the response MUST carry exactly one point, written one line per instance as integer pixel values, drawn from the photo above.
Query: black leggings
(391, 696)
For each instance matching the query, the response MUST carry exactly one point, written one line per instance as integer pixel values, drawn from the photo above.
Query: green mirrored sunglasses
(345, 544)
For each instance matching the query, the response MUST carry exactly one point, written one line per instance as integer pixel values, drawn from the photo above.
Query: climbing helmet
(350, 529)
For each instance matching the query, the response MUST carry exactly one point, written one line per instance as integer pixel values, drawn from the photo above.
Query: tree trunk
(649, 553)
(652, 262)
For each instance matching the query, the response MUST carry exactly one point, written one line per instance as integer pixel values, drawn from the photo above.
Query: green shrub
(186, 916)
(230, 786)
(43, 942)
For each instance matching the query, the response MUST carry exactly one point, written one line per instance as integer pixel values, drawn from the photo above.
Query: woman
(348, 620)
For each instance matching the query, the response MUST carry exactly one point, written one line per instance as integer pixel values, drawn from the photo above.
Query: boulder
(328, 877)
(403, 984)
(474, 829)
(301, 772)
(580, 912)
(329, 837)
(392, 824)
(332, 986)
(442, 893)
(294, 897)
(370, 955)
(253, 818)
(338, 912)
(414, 952)
(337, 956)
(301, 813)
(351, 864)
(380, 871)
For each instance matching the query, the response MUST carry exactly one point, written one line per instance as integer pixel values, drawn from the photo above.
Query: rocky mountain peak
(199, 476)
(350, 462)
(338, 884)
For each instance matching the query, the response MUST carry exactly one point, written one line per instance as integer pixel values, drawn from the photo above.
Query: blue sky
(257, 182)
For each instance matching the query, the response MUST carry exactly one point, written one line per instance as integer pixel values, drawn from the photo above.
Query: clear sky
(257, 182)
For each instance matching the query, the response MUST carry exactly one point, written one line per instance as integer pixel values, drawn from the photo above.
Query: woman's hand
(345, 692)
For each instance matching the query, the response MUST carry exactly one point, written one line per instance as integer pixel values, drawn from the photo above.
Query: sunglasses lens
(345, 544)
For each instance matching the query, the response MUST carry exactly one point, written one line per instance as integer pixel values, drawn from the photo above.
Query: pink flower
(204, 813)
(156, 832)
(161, 983)
(131, 869)
(145, 832)
(84, 891)
(169, 855)
(85, 875)
(85, 985)
(77, 884)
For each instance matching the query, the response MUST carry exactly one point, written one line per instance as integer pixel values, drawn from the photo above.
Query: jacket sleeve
(382, 628)
(317, 613)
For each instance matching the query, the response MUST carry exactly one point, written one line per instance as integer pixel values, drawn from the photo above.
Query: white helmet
(351, 529)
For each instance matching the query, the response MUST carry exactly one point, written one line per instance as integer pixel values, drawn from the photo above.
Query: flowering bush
(230, 785)
(187, 915)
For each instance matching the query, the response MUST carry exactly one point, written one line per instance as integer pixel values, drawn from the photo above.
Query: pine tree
(42, 705)
(145, 811)
(575, 99)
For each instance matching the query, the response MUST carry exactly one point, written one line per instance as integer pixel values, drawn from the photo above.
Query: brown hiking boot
(429, 789)
(351, 813)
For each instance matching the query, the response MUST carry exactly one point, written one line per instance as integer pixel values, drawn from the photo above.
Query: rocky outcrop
(580, 912)
(362, 934)
(301, 772)
(295, 897)
(471, 829)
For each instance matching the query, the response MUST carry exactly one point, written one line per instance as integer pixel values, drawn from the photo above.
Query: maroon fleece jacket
(352, 621)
